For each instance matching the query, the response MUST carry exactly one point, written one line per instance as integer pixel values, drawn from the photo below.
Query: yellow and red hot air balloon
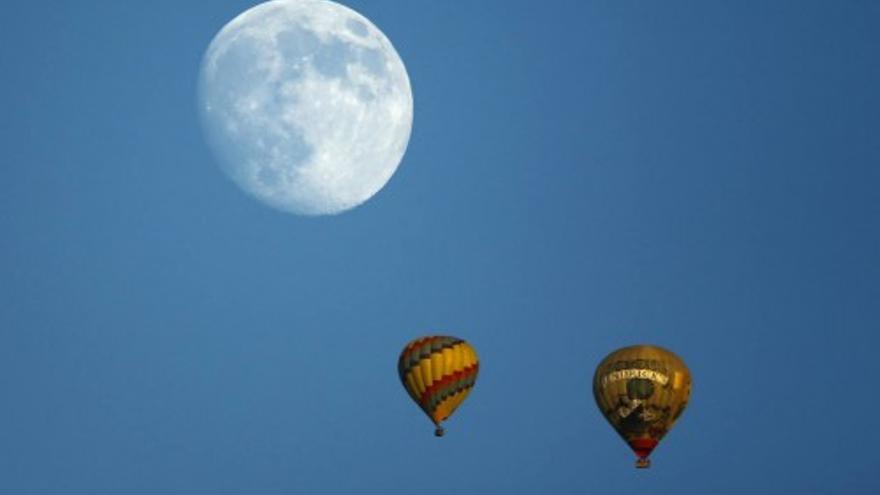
(438, 372)
(642, 390)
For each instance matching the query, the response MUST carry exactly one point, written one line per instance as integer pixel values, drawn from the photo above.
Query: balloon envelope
(438, 372)
(642, 390)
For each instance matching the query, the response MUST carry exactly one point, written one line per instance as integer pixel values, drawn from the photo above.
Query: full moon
(306, 105)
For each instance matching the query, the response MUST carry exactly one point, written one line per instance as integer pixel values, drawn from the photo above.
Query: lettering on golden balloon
(628, 374)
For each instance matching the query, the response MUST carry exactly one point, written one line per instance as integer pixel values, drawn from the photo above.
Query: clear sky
(581, 176)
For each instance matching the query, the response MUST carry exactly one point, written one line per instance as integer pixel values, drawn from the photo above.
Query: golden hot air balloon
(438, 372)
(642, 390)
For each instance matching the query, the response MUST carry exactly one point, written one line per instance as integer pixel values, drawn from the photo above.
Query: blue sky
(581, 176)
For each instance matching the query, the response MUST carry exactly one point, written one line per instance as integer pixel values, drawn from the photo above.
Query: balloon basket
(643, 463)
(439, 431)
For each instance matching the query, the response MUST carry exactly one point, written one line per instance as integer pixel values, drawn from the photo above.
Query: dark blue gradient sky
(581, 176)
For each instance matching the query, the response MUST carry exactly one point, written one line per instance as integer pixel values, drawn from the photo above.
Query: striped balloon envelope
(438, 372)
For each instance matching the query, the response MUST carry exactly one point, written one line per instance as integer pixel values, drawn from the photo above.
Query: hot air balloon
(438, 372)
(642, 390)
